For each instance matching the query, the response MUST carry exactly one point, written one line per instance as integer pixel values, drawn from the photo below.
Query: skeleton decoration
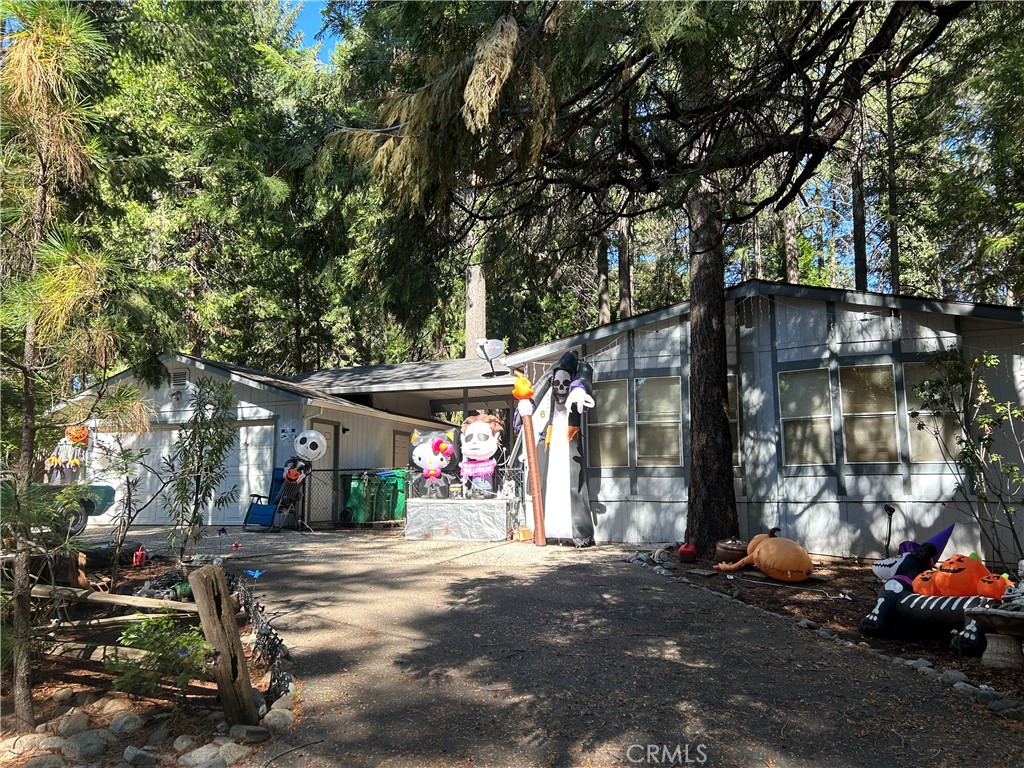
(310, 445)
(558, 418)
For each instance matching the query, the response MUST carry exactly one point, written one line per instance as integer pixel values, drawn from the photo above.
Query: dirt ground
(818, 599)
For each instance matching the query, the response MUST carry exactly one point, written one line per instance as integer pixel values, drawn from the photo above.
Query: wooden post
(539, 538)
(216, 611)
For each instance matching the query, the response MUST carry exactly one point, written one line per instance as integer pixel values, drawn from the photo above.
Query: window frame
(677, 421)
(595, 424)
(826, 417)
(892, 416)
(911, 399)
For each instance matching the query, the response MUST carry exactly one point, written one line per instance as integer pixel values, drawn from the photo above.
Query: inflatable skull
(310, 445)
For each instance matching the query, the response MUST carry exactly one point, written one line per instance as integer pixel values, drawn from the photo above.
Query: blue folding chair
(263, 509)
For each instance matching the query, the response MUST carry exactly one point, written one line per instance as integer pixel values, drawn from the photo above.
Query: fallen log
(93, 652)
(107, 621)
(105, 598)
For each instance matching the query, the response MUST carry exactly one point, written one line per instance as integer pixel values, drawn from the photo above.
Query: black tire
(74, 518)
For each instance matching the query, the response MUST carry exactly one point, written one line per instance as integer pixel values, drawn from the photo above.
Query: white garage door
(250, 465)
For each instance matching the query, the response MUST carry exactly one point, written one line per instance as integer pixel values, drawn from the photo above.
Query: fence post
(217, 613)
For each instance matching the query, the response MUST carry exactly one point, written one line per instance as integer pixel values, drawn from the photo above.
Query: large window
(608, 440)
(806, 407)
(937, 441)
(657, 422)
(869, 413)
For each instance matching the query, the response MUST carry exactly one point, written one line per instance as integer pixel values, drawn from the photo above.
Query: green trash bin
(355, 508)
(400, 480)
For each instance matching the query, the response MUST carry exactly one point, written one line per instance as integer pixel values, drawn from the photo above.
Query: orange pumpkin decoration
(77, 434)
(958, 576)
(782, 559)
(292, 475)
(924, 583)
(993, 585)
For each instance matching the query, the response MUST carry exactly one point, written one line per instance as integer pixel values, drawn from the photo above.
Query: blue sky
(309, 22)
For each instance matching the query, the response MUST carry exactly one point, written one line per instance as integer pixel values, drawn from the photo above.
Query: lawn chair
(273, 509)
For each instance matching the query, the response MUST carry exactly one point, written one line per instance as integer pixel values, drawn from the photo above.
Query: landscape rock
(1015, 714)
(125, 722)
(1001, 705)
(278, 719)
(952, 676)
(136, 756)
(285, 702)
(62, 695)
(918, 663)
(22, 743)
(183, 743)
(70, 724)
(158, 737)
(46, 761)
(234, 753)
(806, 624)
(987, 696)
(85, 698)
(52, 743)
(249, 734)
(88, 745)
(216, 762)
(199, 756)
(110, 705)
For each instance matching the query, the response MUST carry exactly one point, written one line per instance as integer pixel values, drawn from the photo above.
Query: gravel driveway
(434, 653)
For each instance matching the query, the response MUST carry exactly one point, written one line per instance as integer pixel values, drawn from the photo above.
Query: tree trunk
(860, 237)
(476, 304)
(625, 268)
(890, 153)
(712, 498)
(24, 714)
(604, 306)
(791, 253)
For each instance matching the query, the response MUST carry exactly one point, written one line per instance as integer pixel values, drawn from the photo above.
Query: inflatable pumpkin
(924, 582)
(77, 434)
(774, 556)
(958, 576)
(993, 585)
(783, 559)
(292, 475)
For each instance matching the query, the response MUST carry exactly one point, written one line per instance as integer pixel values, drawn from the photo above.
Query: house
(821, 385)
(271, 411)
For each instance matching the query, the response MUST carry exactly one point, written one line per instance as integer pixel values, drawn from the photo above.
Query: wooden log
(105, 598)
(107, 621)
(216, 611)
(93, 652)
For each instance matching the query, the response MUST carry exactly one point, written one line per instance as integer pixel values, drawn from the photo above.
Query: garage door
(250, 465)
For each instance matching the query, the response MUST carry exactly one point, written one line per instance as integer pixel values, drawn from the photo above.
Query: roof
(263, 380)
(753, 288)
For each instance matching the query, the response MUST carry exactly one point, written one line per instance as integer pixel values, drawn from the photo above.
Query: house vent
(179, 378)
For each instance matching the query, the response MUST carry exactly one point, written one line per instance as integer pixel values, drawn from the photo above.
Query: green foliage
(197, 462)
(176, 654)
(989, 438)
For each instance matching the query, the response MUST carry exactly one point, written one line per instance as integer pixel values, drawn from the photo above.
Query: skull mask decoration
(310, 445)
(560, 386)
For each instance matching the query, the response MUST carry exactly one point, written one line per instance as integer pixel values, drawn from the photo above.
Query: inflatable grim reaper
(564, 395)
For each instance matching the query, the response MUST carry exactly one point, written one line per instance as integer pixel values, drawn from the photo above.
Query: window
(805, 403)
(734, 417)
(868, 396)
(937, 440)
(657, 422)
(608, 440)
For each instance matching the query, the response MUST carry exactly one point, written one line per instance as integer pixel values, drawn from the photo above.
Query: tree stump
(216, 611)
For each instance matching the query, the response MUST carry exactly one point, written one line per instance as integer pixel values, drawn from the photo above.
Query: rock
(970, 690)
(216, 762)
(221, 727)
(824, 633)
(216, 714)
(952, 676)
(158, 737)
(62, 695)
(70, 724)
(183, 743)
(110, 706)
(285, 702)
(85, 698)
(88, 745)
(125, 722)
(987, 696)
(52, 743)
(806, 624)
(199, 756)
(928, 672)
(668, 565)
(1001, 705)
(249, 734)
(1014, 714)
(918, 663)
(46, 761)
(278, 719)
(136, 756)
(234, 753)
(22, 742)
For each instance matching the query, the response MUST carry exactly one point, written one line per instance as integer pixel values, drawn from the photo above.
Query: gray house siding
(831, 506)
